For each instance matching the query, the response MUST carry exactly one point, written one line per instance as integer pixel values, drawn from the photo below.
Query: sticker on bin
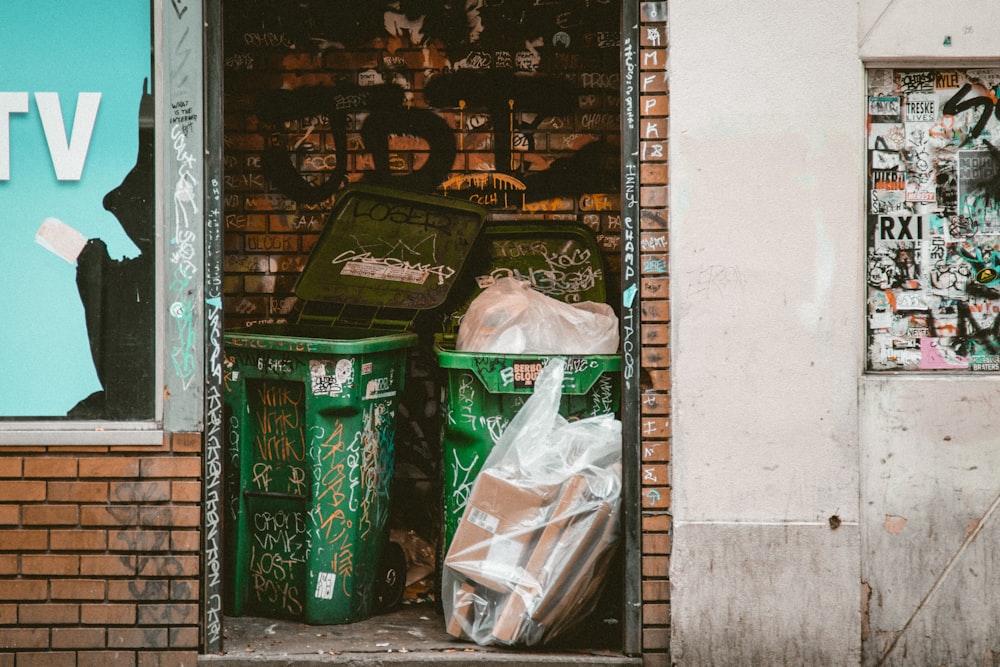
(324, 585)
(330, 379)
(379, 388)
(525, 373)
(377, 271)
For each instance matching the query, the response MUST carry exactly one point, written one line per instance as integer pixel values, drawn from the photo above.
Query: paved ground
(413, 635)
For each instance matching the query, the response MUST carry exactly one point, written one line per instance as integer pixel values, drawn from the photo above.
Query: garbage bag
(530, 555)
(510, 317)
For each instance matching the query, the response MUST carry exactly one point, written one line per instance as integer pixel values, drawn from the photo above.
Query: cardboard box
(502, 520)
(532, 585)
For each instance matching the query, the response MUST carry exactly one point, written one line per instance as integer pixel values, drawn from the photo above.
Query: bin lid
(386, 249)
(559, 259)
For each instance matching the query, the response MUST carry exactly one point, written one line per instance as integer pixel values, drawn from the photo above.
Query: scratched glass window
(933, 220)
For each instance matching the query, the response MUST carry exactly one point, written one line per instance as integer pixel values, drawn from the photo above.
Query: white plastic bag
(530, 554)
(509, 317)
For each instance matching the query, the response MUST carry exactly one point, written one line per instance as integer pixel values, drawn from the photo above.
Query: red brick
(79, 638)
(170, 517)
(185, 492)
(659, 380)
(50, 515)
(653, 174)
(656, 523)
(107, 614)
(139, 540)
(77, 492)
(137, 638)
(140, 492)
(656, 497)
(110, 566)
(653, 151)
(47, 659)
(49, 613)
(652, 59)
(187, 540)
(174, 566)
(184, 638)
(655, 452)
(186, 442)
(655, 357)
(652, 567)
(172, 613)
(24, 638)
(655, 311)
(47, 564)
(655, 590)
(10, 515)
(117, 466)
(655, 638)
(656, 543)
(174, 466)
(655, 404)
(24, 540)
(654, 82)
(185, 590)
(78, 589)
(50, 466)
(139, 589)
(8, 614)
(654, 241)
(78, 540)
(655, 334)
(18, 490)
(106, 659)
(655, 427)
(10, 466)
(23, 589)
(10, 564)
(655, 287)
(654, 196)
(656, 474)
(656, 614)
(103, 515)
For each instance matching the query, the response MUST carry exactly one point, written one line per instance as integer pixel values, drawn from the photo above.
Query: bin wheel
(390, 581)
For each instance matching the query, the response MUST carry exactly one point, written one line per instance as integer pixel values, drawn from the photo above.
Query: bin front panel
(311, 437)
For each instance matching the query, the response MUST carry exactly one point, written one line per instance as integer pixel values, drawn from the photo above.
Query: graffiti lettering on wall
(934, 220)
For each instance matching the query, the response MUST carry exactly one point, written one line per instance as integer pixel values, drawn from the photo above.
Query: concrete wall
(787, 458)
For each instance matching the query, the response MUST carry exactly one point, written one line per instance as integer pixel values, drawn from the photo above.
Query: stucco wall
(782, 554)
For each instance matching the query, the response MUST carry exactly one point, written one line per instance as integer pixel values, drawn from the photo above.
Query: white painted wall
(776, 429)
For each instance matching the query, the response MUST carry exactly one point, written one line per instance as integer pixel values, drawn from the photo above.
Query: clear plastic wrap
(510, 317)
(530, 555)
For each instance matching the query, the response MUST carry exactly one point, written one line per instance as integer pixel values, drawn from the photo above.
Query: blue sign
(76, 76)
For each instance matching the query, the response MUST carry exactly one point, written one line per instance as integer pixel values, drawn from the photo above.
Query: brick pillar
(655, 318)
(100, 554)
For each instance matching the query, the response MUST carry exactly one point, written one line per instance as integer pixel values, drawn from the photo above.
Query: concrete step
(410, 636)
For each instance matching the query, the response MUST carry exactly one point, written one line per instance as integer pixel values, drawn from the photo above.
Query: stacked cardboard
(529, 558)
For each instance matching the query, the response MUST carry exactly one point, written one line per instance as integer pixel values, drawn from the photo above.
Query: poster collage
(933, 234)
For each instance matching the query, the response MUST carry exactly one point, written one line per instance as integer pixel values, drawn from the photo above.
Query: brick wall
(100, 555)
(655, 344)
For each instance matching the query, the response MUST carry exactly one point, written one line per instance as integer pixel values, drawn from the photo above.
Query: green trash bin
(481, 392)
(311, 406)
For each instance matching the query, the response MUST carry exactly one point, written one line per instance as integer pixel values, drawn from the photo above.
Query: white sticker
(487, 522)
(58, 237)
(396, 274)
(324, 585)
(330, 384)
